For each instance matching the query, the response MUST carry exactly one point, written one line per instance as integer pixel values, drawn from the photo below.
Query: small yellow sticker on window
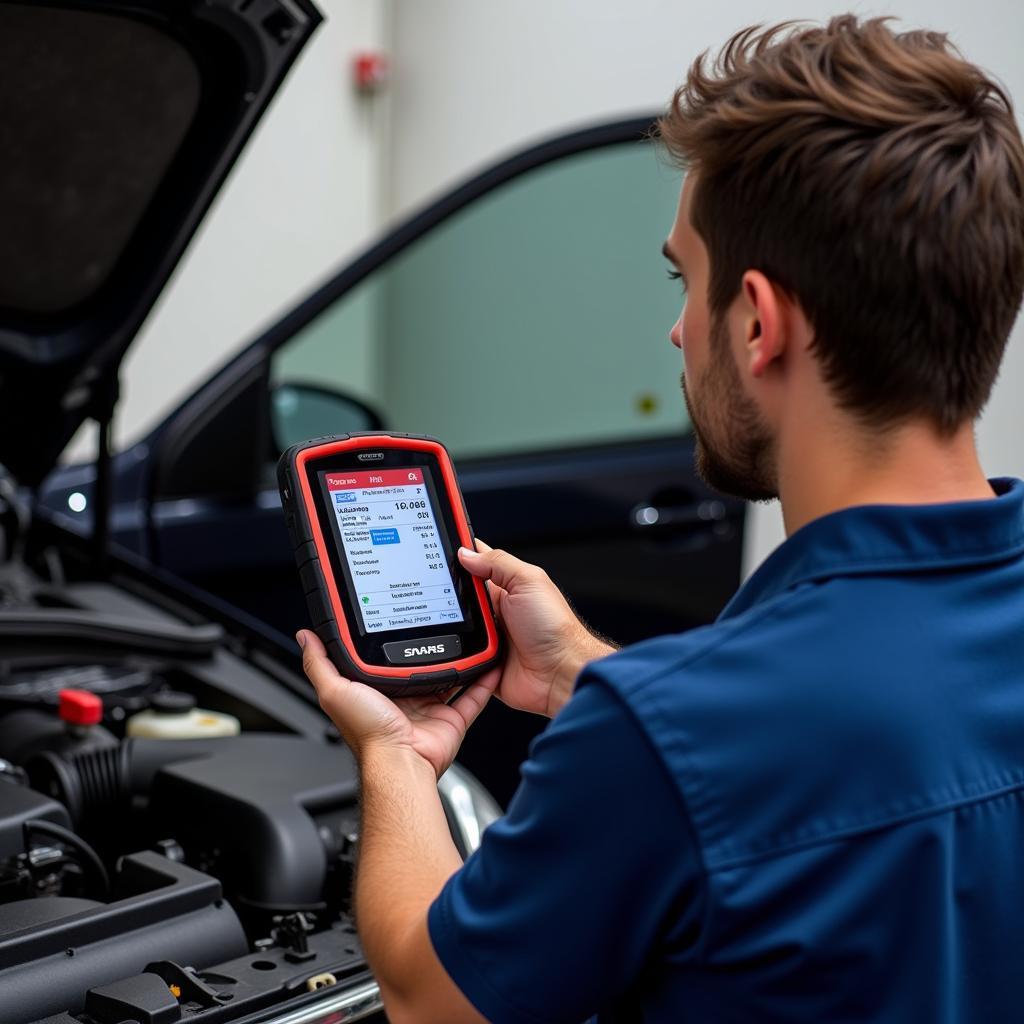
(647, 404)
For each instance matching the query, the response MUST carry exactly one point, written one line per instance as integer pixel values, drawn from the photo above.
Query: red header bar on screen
(374, 478)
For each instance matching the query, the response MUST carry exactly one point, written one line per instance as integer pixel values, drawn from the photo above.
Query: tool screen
(390, 536)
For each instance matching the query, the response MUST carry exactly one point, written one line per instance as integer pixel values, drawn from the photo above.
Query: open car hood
(121, 120)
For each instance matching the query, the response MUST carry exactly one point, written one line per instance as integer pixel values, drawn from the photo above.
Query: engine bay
(178, 831)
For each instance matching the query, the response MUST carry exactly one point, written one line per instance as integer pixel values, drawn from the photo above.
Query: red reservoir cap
(80, 707)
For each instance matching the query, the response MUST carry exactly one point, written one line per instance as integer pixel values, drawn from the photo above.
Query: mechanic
(812, 808)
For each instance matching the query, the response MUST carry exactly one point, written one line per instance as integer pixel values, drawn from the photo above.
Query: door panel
(573, 512)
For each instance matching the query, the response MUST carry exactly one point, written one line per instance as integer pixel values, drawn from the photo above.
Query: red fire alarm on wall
(369, 71)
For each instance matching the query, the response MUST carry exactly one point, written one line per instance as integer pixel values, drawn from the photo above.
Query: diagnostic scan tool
(375, 520)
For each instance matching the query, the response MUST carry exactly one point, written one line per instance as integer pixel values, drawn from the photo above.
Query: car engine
(177, 830)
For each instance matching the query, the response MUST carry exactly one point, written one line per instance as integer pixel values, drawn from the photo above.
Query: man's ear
(766, 325)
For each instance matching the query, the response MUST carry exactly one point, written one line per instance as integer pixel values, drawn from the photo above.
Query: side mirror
(299, 411)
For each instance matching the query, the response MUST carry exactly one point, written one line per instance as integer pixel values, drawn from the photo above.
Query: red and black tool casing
(334, 617)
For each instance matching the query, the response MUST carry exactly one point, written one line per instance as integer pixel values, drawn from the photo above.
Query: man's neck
(825, 470)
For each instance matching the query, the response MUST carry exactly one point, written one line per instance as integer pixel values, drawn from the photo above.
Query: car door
(523, 319)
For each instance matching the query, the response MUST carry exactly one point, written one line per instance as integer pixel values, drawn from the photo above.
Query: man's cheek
(691, 338)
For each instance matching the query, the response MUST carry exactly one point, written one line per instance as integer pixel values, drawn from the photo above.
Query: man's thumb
(501, 568)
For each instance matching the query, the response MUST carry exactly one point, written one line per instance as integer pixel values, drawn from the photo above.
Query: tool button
(310, 577)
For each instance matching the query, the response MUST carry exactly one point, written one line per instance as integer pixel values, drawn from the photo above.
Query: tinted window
(537, 317)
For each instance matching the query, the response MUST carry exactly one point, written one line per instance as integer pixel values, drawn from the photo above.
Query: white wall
(475, 80)
(303, 197)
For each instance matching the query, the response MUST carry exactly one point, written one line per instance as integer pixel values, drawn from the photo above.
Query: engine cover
(52, 951)
(247, 811)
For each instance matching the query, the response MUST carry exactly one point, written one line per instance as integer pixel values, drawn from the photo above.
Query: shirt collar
(891, 538)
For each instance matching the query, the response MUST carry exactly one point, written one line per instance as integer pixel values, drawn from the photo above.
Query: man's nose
(676, 334)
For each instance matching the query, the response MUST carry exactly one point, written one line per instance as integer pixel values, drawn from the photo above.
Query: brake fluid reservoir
(174, 716)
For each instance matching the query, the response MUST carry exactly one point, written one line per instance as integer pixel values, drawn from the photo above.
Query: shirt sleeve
(591, 874)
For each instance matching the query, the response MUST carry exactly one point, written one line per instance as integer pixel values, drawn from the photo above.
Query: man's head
(852, 220)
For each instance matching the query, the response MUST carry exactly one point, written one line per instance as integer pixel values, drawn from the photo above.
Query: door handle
(678, 517)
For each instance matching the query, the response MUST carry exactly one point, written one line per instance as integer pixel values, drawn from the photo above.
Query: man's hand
(405, 847)
(548, 644)
(424, 726)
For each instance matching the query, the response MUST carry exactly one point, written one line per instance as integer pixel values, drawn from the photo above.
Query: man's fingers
(493, 589)
(505, 570)
(475, 699)
(496, 594)
(315, 663)
(310, 644)
(477, 562)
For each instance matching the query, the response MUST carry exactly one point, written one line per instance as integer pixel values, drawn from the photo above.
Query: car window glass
(536, 317)
(300, 411)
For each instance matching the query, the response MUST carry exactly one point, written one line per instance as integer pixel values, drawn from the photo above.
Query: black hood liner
(85, 147)
(120, 121)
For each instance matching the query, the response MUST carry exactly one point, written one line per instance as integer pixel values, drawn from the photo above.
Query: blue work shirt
(810, 810)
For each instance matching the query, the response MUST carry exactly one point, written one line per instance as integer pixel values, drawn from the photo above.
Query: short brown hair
(879, 179)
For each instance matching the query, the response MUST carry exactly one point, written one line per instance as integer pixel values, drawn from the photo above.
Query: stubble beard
(735, 451)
